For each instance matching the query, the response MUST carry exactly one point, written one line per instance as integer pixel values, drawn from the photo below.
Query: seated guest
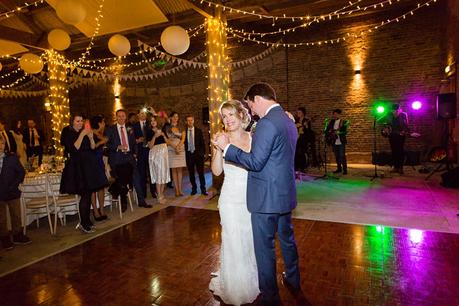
(11, 175)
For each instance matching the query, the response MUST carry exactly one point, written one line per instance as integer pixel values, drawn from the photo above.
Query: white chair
(35, 200)
(117, 202)
(63, 203)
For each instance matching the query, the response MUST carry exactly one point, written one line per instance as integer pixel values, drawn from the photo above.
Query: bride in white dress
(236, 282)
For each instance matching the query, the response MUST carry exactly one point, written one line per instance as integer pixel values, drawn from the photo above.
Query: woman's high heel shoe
(84, 229)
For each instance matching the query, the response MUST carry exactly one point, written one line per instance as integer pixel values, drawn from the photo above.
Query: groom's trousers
(264, 228)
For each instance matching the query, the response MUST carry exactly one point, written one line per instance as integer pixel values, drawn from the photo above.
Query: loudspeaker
(451, 178)
(446, 106)
(205, 115)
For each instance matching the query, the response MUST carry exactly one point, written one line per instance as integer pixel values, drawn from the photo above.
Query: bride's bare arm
(217, 158)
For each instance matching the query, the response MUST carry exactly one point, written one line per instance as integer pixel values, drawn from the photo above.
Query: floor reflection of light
(415, 235)
(155, 287)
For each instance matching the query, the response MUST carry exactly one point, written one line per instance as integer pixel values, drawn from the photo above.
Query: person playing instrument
(335, 132)
(399, 129)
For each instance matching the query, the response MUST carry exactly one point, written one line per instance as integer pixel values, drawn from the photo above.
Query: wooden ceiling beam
(18, 36)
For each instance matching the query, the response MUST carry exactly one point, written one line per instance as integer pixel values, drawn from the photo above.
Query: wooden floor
(166, 259)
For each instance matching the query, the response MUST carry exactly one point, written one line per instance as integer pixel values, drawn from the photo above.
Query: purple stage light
(416, 105)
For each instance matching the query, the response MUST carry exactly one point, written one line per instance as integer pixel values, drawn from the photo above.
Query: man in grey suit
(272, 191)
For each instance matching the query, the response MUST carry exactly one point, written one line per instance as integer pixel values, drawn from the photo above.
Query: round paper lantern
(31, 63)
(70, 11)
(119, 45)
(175, 40)
(59, 39)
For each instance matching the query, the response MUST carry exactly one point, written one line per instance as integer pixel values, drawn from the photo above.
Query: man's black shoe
(204, 193)
(337, 171)
(194, 191)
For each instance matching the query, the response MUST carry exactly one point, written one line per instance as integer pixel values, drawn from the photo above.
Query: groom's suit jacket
(271, 179)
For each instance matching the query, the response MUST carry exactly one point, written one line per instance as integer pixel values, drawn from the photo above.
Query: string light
(14, 83)
(19, 9)
(218, 69)
(368, 29)
(58, 97)
(91, 41)
(304, 25)
(10, 73)
(345, 10)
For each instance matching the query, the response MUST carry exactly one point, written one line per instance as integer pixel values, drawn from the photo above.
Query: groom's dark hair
(260, 89)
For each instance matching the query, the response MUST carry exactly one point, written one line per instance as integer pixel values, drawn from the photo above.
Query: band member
(335, 132)
(399, 129)
(305, 145)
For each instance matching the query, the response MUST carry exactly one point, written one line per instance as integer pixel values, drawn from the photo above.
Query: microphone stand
(326, 175)
(374, 157)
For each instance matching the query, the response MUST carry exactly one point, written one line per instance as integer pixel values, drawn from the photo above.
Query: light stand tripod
(326, 175)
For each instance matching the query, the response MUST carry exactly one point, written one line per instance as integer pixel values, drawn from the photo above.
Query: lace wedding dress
(236, 282)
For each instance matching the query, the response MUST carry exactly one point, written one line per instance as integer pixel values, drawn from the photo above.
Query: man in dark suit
(33, 139)
(10, 143)
(336, 132)
(194, 153)
(271, 195)
(122, 157)
(11, 175)
(143, 134)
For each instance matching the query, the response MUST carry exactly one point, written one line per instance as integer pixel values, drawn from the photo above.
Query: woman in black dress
(82, 174)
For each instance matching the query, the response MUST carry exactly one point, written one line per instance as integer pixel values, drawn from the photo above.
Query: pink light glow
(416, 105)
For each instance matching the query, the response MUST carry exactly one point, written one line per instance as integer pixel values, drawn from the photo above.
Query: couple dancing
(256, 200)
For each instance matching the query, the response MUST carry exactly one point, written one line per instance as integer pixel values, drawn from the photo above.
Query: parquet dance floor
(166, 259)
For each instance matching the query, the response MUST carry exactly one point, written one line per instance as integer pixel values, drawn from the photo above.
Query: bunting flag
(23, 94)
(255, 58)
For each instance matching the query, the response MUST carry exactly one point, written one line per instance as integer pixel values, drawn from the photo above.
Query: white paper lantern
(59, 39)
(175, 40)
(70, 11)
(31, 63)
(119, 45)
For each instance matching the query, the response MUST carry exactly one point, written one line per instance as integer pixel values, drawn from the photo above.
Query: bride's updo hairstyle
(238, 108)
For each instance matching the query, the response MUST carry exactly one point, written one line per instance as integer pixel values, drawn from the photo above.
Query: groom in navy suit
(272, 195)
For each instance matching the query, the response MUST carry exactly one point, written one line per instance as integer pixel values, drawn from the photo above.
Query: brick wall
(398, 63)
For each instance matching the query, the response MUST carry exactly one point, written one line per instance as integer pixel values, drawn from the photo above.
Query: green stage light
(380, 109)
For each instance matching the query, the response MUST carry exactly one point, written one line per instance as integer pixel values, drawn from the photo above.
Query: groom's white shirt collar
(271, 107)
(267, 111)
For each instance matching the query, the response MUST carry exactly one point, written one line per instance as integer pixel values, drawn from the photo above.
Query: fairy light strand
(369, 29)
(19, 9)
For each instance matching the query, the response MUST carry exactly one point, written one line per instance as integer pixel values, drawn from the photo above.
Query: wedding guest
(175, 142)
(33, 138)
(10, 143)
(98, 128)
(158, 158)
(142, 132)
(11, 175)
(122, 153)
(20, 145)
(82, 174)
(195, 150)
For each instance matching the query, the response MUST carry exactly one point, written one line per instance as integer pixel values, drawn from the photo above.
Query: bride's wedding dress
(236, 282)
